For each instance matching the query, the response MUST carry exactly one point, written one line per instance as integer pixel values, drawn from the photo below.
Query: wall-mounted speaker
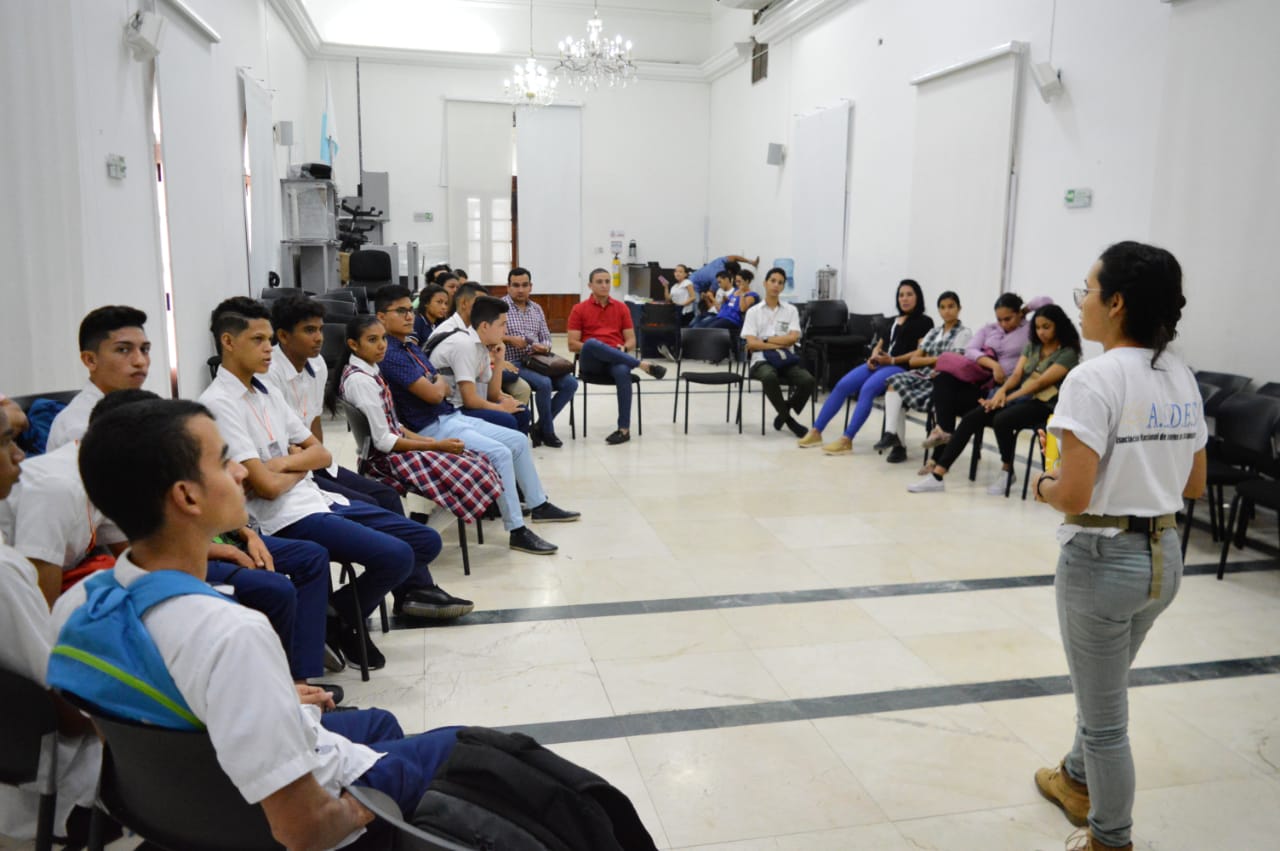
(284, 133)
(777, 153)
(1048, 80)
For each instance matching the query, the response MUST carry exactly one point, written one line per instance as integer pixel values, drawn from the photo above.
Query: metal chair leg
(686, 407)
(462, 544)
(1226, 536)
(362, 629)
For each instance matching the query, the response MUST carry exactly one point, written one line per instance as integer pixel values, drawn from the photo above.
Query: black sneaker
(351, 649)
(548, 513)
(897, 454)
(888, 440)
(551, 441)
(779, 421)
(657, 370)
(525, 541)
(434, 603)
(617, 437)
(796, 429)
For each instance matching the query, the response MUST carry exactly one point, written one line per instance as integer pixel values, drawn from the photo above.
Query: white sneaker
(1000, 484)
(927, 484)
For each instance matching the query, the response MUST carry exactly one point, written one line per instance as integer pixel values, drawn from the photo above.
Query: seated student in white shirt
(26, 637)
(773, 325)
(117, 353)
(164, 474)
(463, 300)
(279, 453)
(300, 376)
(467, 362)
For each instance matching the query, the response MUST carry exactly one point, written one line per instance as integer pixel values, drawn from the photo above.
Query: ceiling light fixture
(531, 85)
(595, 60)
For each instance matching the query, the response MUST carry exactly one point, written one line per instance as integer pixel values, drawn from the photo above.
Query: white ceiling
(662, 30)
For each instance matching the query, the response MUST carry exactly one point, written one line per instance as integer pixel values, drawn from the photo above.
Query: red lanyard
(265, 423)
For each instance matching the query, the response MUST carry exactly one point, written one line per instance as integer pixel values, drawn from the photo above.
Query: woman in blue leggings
(868, 381)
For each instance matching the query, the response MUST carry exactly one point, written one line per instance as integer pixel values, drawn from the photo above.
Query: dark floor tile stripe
(844, 705)
(773, 598)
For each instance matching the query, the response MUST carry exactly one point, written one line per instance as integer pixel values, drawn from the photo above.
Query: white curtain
(478, 151)
(960, 181)
(549, 162)
(262, 202)
(819, 160)
(202, 147)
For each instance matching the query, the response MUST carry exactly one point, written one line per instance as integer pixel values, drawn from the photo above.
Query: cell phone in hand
(662, 279)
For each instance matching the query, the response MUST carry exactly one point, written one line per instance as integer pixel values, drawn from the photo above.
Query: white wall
(1102, 134)
(644, 153)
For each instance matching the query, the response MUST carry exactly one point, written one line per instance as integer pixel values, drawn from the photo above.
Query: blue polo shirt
(404, 364)
(705, 278)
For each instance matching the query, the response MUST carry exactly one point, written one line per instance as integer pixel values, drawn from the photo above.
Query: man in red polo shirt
(600, 330)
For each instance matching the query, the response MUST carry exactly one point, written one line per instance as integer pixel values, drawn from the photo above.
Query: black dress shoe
(551, 441)
(897, 454)
(657, 370)
(335, 690)
(548, 513)
(617, 437)
(525, 541)
(434, 603)
(536, 437)
(779, 421)
(888, 440)
(350, 640)
(796, 429)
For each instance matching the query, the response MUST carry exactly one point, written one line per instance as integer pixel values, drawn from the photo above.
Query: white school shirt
(258, 424)
(684, 295)
(453, 323)
(26, 637)
(48, 515)
(463, 357)
(73, 421)
(230, 668)
(361, 390)
(301, 389)
(1145, 424)
(763, 321)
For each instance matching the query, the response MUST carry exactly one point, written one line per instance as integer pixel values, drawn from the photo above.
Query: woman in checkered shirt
(912, 390)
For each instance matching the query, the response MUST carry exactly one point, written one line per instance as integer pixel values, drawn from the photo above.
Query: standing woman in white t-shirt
(1132, 436)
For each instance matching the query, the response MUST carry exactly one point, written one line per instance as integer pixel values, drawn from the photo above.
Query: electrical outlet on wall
(115, 167)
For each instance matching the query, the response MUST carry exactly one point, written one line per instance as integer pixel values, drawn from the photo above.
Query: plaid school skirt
(465, 485)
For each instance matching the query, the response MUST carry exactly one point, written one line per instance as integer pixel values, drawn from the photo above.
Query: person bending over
(299, 375)
(527, 335)
(1025, 400)
(869, 380)
(117, 353)
(422, 405)
(704, 278)
(1120, 483)
(912, 390)
(601, 332)
(461, 481)
(772, 330)
(279, 453)
(167, 477)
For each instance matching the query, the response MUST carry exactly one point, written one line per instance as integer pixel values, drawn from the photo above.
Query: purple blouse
(1007, 345)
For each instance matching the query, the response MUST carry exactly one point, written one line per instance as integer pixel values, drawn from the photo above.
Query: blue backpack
(106, 656)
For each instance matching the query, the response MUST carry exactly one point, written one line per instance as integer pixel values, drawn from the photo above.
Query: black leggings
(1005, 422)
(951, 398)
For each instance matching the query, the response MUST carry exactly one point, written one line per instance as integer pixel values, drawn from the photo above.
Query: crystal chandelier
(530, 84)
(595, 60)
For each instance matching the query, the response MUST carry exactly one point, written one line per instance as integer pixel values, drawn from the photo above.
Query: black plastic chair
(28, 744)
(167, 786)
(1245, 425)
(359, 425)
(63, 396)
(658, 321)
(272, 293)
(1271, 388)
(370, 268)
(335, 343)
(712, 345)
(337, 310)
(1263, 490)
(585, 379)
(1229, 383)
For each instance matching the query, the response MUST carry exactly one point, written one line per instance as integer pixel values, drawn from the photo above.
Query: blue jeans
(394, 551)
(549, 406)
(867, 384)
(357, 488)
(294, 598)
(703, 320)
(507, 450)
(603, 360)
(1103, 590)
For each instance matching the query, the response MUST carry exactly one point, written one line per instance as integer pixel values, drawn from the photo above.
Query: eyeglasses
(1081, 294)
(402, 311)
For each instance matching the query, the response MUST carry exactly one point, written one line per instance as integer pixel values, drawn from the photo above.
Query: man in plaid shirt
(528, 334)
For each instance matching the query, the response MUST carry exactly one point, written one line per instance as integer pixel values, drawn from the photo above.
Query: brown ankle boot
(1082, 840)
(1069, 794)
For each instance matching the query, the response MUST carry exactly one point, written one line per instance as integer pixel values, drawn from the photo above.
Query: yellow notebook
(1052, 452)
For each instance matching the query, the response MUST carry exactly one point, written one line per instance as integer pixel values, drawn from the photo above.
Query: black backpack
(505, 792)
(431, 343)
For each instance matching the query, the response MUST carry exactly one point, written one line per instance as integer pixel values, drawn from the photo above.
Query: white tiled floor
(715, 513)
